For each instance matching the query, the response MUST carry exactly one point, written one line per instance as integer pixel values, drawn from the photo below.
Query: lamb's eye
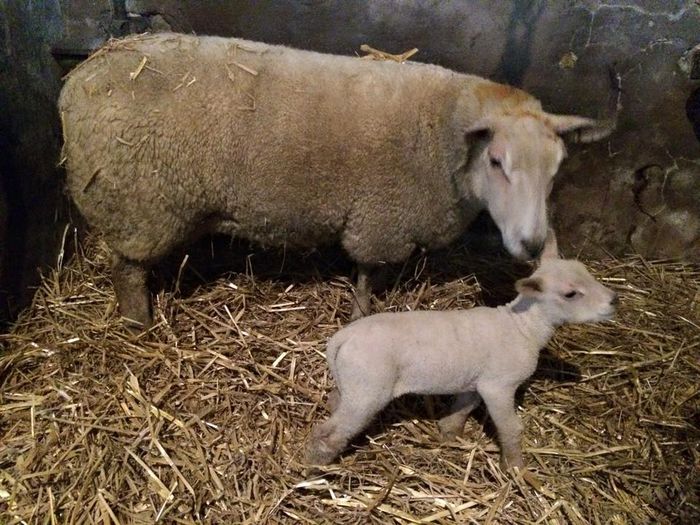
(495, 163)
(571, 294)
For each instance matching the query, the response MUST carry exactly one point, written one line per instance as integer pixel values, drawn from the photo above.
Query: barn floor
(204, 418)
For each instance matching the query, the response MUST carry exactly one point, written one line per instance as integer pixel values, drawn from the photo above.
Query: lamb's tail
(333, 348)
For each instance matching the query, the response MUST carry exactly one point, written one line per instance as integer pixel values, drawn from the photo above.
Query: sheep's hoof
(361, 306)
(137, 327)
(356, 313)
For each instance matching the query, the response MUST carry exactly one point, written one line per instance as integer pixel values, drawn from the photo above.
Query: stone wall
(29, 148)
(638, 191)
(34, 212)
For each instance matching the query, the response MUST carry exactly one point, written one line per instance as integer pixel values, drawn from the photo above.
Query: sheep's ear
(551, 249)
(530, 286)
(481, 131)
(573, 128)
(477, 138)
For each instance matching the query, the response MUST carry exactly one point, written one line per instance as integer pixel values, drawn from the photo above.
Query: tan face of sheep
(568, 292)
(516, 168)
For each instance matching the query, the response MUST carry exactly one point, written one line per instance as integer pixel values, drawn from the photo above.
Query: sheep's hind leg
(452, 425)
(363, 292)
(130, 285)
(331, 437)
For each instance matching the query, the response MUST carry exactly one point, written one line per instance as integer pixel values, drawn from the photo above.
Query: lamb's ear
(530, 286)
(551, 249)
(573, 128)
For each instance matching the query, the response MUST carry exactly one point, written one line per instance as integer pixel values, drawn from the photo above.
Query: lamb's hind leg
(330, 438)
(333, 400)
(453, 424)
(130, 285)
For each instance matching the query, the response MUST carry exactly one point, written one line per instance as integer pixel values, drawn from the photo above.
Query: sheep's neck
(531, 320)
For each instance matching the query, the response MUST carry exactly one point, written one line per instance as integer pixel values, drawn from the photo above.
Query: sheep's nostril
(533, 248)
(615, 299)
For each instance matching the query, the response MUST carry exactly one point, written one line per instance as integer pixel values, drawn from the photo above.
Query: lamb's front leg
(500, 402)
(453, 424)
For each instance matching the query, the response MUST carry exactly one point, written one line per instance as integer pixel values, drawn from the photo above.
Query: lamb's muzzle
(478, 354)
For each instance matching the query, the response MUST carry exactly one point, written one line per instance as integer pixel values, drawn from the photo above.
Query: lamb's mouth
(607, 315)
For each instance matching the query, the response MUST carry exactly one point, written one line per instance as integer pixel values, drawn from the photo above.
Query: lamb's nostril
(533, 248)
(615, 299)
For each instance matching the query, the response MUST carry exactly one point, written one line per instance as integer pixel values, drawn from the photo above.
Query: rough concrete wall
(30, 144)
(638, 191)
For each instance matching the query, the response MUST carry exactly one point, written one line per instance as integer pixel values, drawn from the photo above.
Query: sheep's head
(514, 159)
(567, 291)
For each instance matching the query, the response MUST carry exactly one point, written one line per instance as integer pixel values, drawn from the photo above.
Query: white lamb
(482, 353)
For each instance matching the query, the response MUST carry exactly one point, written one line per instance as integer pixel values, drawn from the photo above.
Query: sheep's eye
(495, 163)
(571, 294)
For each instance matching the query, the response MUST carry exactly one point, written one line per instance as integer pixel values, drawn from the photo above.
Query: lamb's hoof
(449, 431)
(319, 454)
(333, 400)
(508, 464)
(448, 437)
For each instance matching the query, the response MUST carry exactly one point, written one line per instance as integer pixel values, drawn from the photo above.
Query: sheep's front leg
(129, 280)
(500, 402)
(363, 292)
(452, 425)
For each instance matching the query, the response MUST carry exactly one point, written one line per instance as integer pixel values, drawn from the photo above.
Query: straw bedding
(204, 418)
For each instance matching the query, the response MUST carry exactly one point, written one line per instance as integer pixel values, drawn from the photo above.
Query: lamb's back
(433, 352)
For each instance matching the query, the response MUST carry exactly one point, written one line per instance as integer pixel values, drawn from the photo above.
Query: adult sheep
(168, 137)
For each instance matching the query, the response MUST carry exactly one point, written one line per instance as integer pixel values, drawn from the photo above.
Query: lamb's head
(568, 293)
(513, 160)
